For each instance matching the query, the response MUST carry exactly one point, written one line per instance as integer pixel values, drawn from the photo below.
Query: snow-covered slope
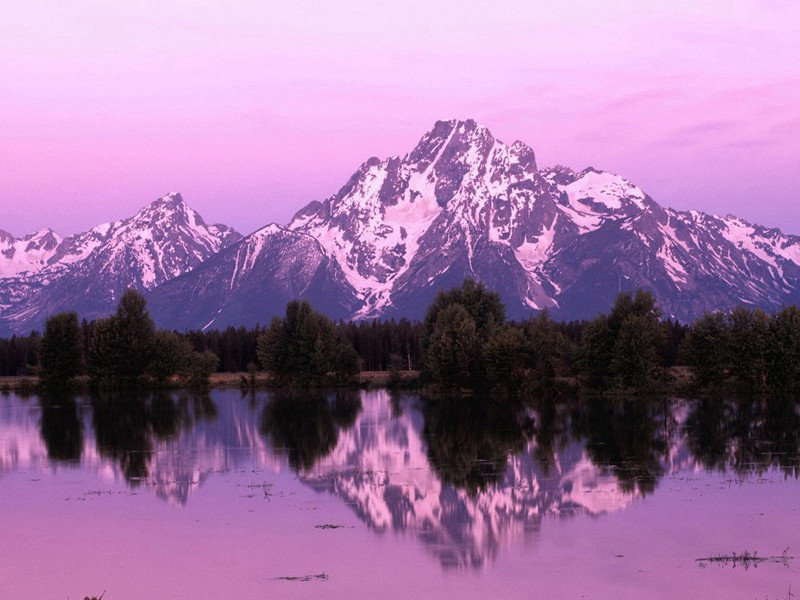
(463, 203)
(27, 254)
(88, 272)
(460, 204)
(251, 281)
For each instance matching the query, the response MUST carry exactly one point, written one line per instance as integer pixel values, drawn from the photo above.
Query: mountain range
(460, 204)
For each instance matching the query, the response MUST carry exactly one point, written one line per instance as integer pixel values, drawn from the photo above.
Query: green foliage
(395, 366)
(61, 351)
(455, 327)
(454, 348)
(596, 352)
(484, 307)
(199, 369)
(748, 346)
(122, 345)
(304, 348)
(548, 349)
(170, 355)
(756, 351)
(635, 358)
(506, 357)
(126, 350)
(19, 355)
(705, 349)
(623, 349)
(784, 349)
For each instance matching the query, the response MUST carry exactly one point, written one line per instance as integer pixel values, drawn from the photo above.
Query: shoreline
(680, 382)
(30, 383)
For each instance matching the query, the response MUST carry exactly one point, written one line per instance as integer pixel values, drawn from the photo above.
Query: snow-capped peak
(27, 254)
(164, 239)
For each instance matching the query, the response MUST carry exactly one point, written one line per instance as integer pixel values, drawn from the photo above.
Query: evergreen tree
(484, 307)
(304, 348)
(749, 333)
(122, 345)
(706, 349)
(635, 357)
(596, 351)
(624, 348)
(547, 348)
(784, 355)
(170, 355)
(453, 357)
(506, 357)
(61, 349)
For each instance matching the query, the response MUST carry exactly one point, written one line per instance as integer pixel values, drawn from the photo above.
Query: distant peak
(41, 234)
(170, 206)
(173, 201)
(463, 133)
(460, 126)
(173, 197)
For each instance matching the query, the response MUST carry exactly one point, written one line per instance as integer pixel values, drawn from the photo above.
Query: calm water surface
(373, 495)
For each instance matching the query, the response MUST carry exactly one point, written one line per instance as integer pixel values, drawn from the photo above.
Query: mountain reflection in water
(462, 475)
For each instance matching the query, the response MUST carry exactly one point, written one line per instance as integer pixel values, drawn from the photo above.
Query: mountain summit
(465, 204)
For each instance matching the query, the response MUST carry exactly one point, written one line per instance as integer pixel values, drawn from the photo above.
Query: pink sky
(253, 108)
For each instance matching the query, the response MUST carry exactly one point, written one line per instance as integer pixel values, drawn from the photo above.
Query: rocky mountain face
(42, 274)
(461, 204)
(464, 204)
(252, 281)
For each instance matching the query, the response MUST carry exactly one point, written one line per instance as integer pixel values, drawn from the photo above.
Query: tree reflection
(469, 439)
(745, 435)
(60, 427)
(626, 437)
(127, 425)
(305, 425)
(551, 431)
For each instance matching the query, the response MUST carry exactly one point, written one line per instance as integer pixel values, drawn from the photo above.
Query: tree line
(123, 350)
(747, 349)
(464, 342)
(468, 343)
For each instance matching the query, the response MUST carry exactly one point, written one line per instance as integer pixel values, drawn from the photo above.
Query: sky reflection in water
(185, 496)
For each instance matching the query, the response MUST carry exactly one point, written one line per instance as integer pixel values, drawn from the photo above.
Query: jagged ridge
(460, 204)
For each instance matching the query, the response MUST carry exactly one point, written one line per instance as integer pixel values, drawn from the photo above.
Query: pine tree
(304, 348)
(61, 352)
(122, 345)
(706, 350)
(453, 357)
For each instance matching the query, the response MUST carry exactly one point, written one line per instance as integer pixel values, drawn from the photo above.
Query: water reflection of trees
(469, 439)
(627, 437)
(551, 431)
(61, 427)
(127, 425)
(745, 435)
(305, 426)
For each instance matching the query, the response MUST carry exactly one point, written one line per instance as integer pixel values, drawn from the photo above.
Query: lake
(372, 494)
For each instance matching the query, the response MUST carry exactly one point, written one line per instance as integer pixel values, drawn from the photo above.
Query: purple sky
(253, 108)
